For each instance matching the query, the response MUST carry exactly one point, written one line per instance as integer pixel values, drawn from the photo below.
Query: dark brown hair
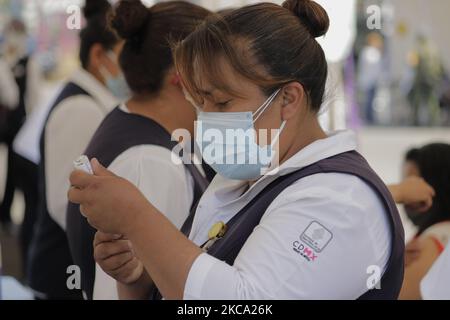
(433, 162)
(265, 43)
(96, 29)
(147, 55)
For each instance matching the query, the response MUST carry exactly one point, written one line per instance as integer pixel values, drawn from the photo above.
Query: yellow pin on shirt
(216, 232)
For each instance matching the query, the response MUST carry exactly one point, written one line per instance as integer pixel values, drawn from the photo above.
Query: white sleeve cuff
(212, 279)
(197, 276)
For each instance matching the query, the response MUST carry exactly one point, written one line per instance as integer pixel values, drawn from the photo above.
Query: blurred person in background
(428, 71)
(370, 71)
(445, 104)
(90, 94)
(26, 165)
(432, 163)
(27, 77)
(9, 95)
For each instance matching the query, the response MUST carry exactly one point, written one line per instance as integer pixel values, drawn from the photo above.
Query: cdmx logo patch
(313, 241)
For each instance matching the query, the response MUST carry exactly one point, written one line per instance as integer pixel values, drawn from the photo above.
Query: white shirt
(272, 263)
(151, 169)
(69, 129)
(436, 284)
(9, 92)
(27, 141)
(33, 75)
(440, 233)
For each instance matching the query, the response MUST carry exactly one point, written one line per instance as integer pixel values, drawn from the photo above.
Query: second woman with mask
(87, 97)
(134, 140)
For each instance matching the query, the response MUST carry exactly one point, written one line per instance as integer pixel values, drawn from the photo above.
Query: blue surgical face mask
(116, 84)
(227, 141)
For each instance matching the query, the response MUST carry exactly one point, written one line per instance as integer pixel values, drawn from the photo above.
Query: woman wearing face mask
(431, 163)
(20, 98)
(75, 115)
(134, 141)
(295, 215)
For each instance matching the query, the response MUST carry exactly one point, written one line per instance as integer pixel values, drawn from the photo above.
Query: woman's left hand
(414, 192)
(111, 204)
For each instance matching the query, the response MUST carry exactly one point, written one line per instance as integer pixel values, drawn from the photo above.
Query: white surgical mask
(242, 158)
(116, 84)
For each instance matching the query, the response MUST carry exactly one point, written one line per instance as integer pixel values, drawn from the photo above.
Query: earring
(175, 80)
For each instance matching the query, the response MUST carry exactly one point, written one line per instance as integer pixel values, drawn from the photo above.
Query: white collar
(336, 143)
(95, 88)
(123, 107)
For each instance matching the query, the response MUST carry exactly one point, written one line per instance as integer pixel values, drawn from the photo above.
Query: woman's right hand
(115, 255)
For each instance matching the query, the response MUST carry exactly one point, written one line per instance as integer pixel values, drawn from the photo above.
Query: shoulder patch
(316, 236)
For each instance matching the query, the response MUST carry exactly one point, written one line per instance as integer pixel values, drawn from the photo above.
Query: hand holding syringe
(83, 164)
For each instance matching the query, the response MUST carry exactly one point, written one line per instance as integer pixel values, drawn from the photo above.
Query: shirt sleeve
(435, 284)
(150, 169)
(440, 233)
(312, 243)
(68, 132)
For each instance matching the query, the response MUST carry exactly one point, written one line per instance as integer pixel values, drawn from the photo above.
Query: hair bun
(129, 18)
(93, 8)
(311, 14)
